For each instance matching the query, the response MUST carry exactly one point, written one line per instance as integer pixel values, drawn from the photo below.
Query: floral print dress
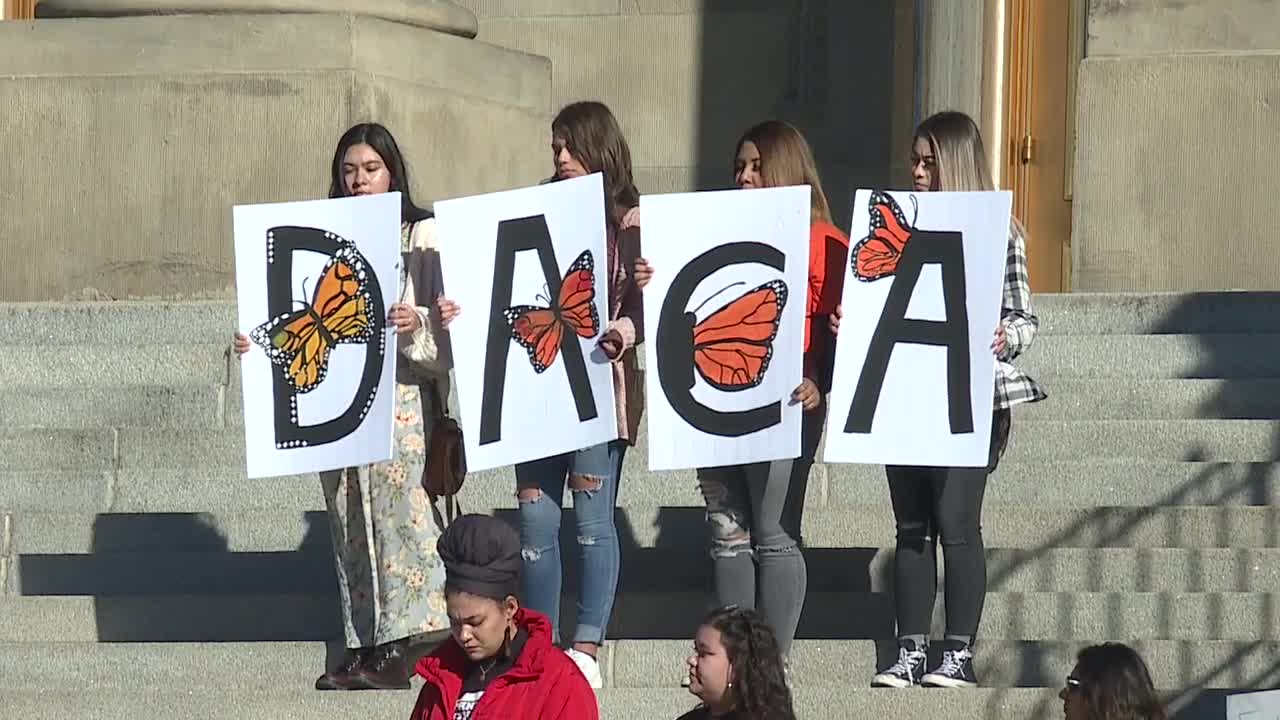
(384, 528)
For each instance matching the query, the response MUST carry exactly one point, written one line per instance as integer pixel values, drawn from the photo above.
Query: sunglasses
(1073, 683)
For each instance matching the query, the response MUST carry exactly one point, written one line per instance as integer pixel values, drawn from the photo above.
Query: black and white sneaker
(907, 670)
(955, 670)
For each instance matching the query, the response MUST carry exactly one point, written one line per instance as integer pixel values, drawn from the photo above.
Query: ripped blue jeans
(597, 470)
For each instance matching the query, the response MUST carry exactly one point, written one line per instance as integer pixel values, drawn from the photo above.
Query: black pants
(932, 504)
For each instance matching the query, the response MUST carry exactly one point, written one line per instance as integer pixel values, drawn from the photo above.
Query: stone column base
(128, 140)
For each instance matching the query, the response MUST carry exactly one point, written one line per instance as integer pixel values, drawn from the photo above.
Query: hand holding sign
(404, 318)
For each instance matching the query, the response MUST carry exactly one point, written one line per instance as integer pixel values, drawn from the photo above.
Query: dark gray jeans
(757, 564)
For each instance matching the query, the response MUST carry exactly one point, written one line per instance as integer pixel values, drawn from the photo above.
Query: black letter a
(515, 236)
(926, 247)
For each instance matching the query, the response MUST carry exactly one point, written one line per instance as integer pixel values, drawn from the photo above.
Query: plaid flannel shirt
(1020, 324)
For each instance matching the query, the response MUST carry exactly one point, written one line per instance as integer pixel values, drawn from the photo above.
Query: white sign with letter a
(914, 380)
(528, 268)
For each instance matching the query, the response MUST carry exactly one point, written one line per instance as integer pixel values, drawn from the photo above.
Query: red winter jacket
(544, 684)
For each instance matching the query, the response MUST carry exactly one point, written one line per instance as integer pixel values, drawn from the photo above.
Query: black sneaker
(955, 670)
(907, 670)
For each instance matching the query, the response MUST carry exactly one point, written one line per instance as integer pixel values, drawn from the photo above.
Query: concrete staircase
(141, 575)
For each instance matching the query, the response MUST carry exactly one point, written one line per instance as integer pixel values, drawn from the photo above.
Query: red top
(544, 684)
(828, 253)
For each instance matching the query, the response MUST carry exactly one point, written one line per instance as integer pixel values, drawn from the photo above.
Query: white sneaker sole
(942, 681)
(889, 681)
(589, 667)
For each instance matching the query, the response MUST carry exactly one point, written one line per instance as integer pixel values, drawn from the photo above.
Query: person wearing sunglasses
(1110, 682)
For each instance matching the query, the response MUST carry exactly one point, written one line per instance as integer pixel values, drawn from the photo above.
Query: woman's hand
(1000, 342)
(448, 310)
(404, 318)
(833, 320)
(611, 344)
(632, 218)
(807, 395)
(240, 343)
(642, 272)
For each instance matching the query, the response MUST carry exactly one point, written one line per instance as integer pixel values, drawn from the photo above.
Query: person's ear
(510, 606)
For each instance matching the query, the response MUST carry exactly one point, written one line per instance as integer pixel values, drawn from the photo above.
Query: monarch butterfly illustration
(539, 330)
(340, 311)
(732, 346)
(877, 255)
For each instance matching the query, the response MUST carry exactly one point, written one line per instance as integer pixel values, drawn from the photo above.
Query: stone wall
(124, 155)
(1146, 27)
(1176, 126)
(687, 77)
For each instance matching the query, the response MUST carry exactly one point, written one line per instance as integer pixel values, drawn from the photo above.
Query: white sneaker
(589, 667)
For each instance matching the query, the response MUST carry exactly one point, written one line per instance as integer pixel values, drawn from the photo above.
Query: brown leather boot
(340, 678)
(386, 668)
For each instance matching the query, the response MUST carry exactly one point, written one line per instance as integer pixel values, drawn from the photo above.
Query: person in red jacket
(499, 662)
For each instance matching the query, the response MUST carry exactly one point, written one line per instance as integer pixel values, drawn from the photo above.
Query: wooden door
(19, 9)
(1046, 43)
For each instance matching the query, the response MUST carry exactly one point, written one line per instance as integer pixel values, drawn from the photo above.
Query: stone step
(818, 703)
(101, 367)
(144, 323)
(200, 564)
(1154, 356)
(1219, 440)
(187, 405)
(1063, 356)
(268, 667)
(117, 324)
(94, 406)
(1165, 313)
(43, 449)
(664, 528)
(645, 615)
(1074, 484)
(1155, 399)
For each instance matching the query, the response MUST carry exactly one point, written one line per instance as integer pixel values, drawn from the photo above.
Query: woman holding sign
(930, 504)
(754, 510)
(586, 139)
(381, 619)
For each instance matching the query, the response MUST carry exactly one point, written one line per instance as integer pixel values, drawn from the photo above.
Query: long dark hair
(380, 139)
(786, 159)
(593, 136)
(759, 690)
(1116, 684)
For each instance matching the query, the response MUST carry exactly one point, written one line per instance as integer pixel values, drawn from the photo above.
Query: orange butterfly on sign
(732, 346)
(539, 330)
(340, 311)
(877, 255)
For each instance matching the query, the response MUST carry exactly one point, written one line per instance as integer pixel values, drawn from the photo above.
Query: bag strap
(441, 402)
(452, 509)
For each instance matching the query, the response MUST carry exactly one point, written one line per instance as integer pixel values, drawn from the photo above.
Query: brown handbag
(446, 466)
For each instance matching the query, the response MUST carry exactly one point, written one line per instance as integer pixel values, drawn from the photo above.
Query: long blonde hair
(785, 160)
(958, 152)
